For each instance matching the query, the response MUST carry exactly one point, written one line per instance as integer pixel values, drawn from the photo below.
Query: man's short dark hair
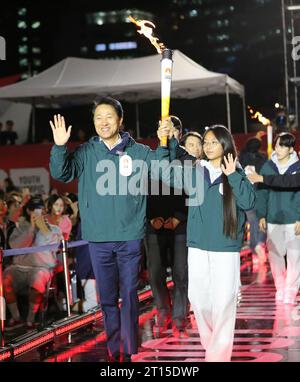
(286, 139)
(35, 202)
(190, 134)
(109, 101)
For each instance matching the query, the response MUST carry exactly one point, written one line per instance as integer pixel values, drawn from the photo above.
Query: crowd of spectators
(28, 220)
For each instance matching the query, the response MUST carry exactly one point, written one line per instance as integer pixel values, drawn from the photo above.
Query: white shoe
(261, 253)
(289, 298)
(279, 296)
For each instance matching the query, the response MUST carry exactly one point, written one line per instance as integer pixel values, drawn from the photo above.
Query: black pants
(165, 250)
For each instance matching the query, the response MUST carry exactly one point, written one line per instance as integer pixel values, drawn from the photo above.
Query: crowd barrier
(62, 246)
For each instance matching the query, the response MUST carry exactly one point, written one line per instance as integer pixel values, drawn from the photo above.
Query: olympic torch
(146, 29)
(166, 80)
(266, 122)
(270, 140)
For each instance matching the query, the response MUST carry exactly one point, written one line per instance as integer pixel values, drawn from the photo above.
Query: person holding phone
(32, 271)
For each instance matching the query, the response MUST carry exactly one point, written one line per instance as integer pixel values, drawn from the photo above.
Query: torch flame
(265, 121)
(147, 30)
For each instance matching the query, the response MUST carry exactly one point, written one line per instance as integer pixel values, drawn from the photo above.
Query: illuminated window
(194, 13)
(113, 17)
(122, 45)
(24, 76)
(23, 62)
(35, 24)
(222, 37)
(100, 47)
(23, 49)
(37, 62)
(220, 23)
(22, 11)
(222, 49)
(22, 24)
(36, 50)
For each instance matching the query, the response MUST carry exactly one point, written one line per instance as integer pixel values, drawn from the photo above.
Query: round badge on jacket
(125, 165)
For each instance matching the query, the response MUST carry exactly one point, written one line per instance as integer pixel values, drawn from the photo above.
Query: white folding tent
(78, 81)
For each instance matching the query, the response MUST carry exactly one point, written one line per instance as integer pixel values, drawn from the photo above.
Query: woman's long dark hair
(223, 135)
(52, 199)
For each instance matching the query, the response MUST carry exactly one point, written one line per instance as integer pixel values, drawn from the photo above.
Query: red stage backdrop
(28, 165)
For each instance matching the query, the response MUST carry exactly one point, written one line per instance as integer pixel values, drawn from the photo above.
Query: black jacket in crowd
(283, 181)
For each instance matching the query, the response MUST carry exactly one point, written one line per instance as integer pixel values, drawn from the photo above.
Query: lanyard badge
(125, 165)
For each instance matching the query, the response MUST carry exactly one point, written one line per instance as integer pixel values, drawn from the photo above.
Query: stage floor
(265, 332)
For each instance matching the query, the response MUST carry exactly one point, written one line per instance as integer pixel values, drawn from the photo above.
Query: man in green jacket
(111, 168)
(279, 213)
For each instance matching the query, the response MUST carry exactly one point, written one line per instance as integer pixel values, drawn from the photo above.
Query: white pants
(281, 241)
(214, 280)
(90, 294)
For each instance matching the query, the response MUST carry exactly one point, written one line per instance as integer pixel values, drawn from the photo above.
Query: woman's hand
(171, 223)
(157, 223)
(230, 165)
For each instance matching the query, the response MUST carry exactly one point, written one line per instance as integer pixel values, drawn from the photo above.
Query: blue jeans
(116, 268)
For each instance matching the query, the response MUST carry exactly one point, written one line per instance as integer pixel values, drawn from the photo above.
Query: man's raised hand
(60, 134)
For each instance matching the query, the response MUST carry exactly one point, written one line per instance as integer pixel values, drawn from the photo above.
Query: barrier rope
(42, 248)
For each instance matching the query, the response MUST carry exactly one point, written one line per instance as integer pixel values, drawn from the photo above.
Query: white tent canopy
(78, 81)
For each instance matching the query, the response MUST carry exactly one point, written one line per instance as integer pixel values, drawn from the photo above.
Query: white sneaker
(289, 298)
(261, 253)
(279, 296)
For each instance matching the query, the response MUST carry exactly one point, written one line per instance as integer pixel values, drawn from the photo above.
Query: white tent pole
(228, 107)
(33, 121)
(137, 124)
(245, 115)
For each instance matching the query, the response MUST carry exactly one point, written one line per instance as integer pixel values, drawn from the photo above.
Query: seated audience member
(33, 271)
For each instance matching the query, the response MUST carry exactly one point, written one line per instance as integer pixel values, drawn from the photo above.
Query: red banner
(4, 81)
